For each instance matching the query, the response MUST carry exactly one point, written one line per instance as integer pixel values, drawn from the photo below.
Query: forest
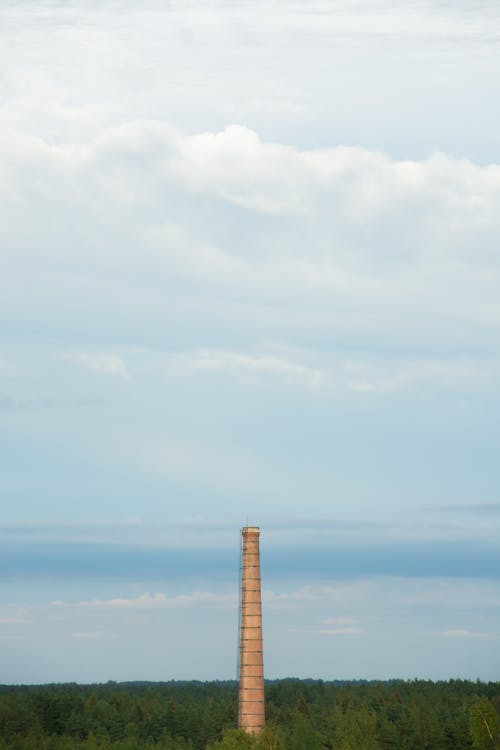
(301, 715)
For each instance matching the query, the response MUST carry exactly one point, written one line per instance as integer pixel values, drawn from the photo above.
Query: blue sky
(249, 271)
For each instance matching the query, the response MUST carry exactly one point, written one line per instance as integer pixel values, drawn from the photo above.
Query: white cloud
(106, 364)
(328, 631)
(398, 374)
(238, 167)
(329, 371)
(341, 631)
(462, 633)
(91, 635)
(158, 601)
(356, 240)
(251, 366)
(230, 57)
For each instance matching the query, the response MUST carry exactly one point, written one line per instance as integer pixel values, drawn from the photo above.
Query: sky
(249, 274)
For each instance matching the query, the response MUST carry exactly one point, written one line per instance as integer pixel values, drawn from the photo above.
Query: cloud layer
(346, 236)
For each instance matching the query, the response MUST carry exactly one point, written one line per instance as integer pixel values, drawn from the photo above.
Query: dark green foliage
(301, 715)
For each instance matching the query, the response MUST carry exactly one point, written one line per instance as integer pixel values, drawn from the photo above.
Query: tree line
(301, 715)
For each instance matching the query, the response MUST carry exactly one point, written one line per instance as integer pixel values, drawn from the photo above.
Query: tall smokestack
(251, 678)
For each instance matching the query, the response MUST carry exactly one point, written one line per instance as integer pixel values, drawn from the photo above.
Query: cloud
(251, 366)
(341, 631)
(372, 377)
(159, 600)
(281, 533)
(106, 364)
(341, 241)
(141, 553)
(206, 162)
(462, 633)
(382, 614)
(328, 631)
(418, 40)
